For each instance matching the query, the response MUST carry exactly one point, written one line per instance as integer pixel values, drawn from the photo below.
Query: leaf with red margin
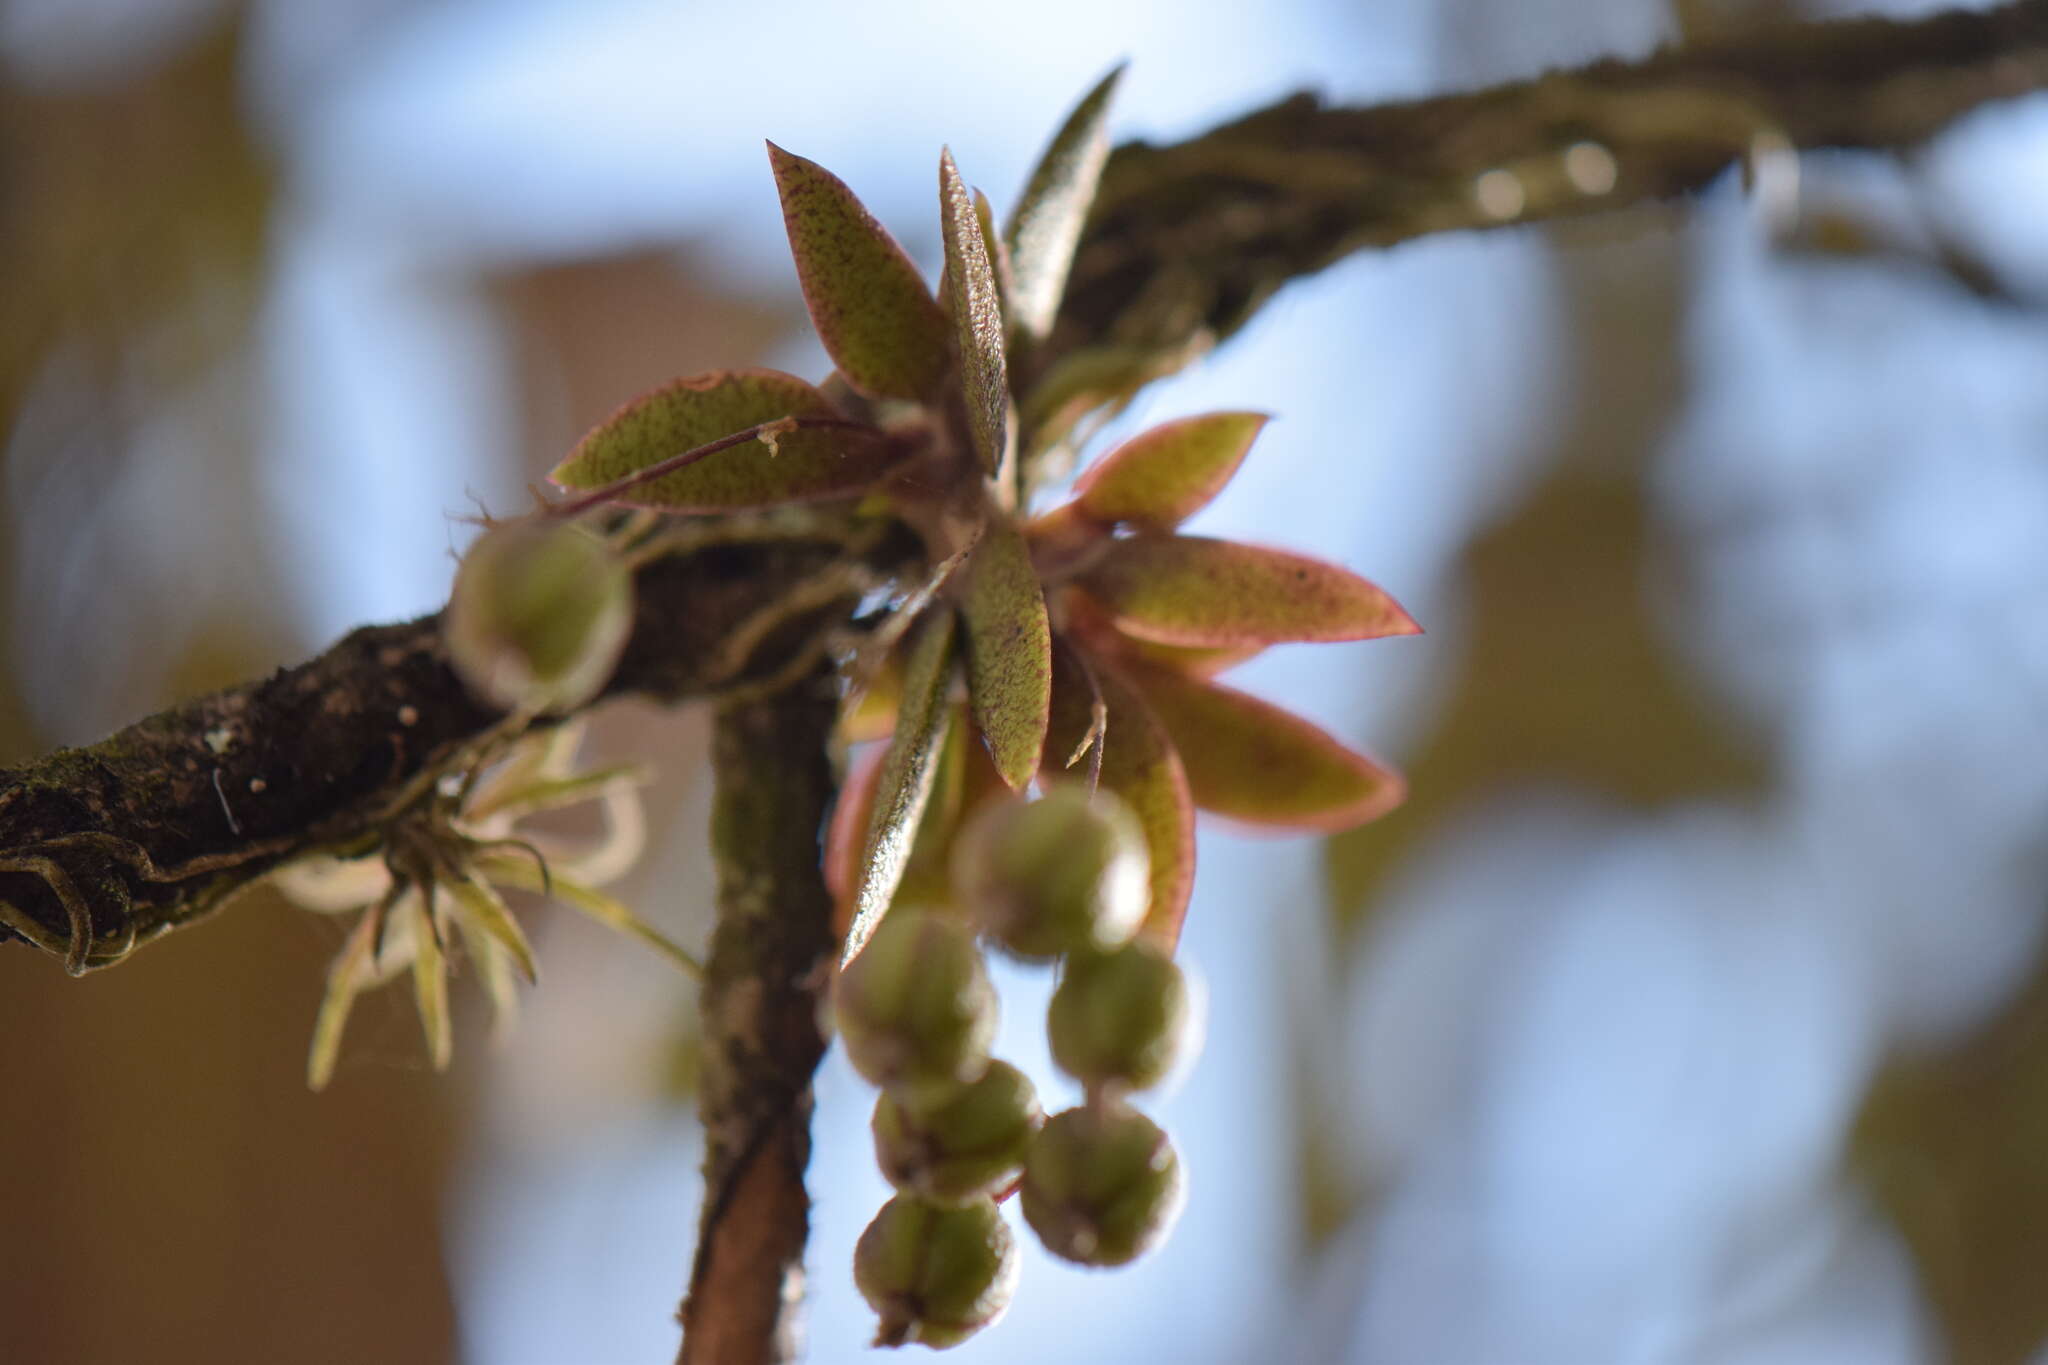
(1191, 590)
(1009, 650)
(1138, 764)
(1086, 619)
(1160, 478)
(1045, 226)
(904, 785)
(1250, 760)
(879, 322)
(977, 310)
(798, 466)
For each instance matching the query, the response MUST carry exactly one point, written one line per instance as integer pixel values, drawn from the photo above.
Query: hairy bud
(538, 617)
(1121, 1019)
(915, 1008)
(1102, 1185)
(935, 1274)
(967, 1147)
(1063, 874)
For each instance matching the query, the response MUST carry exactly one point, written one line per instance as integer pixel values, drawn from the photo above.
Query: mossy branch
(106, 847)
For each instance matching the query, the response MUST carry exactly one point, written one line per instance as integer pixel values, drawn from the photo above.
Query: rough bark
(764, 987)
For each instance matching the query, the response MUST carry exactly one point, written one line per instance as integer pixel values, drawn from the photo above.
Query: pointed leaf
(524, 875)
(430, 985)
(1190, 590)
(495, 966)
(1160, 478)
(1009, 651)
(846, 833)
(484, 909)
(345, 980)
(1140, 765)
(1088, 621)
(905, 782)
(1252, 761)
(977, 317)
(880, 324)
(1046, 225)
(992, 242)
(791, 466)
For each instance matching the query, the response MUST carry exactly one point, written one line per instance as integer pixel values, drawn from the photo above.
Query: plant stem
(769, 968)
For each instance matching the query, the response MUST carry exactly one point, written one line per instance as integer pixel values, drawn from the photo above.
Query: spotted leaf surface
(904, 784)
(977, 309)
(792, 466)
(1046, 225)
(1252, 761)
(1140, 765)
(1160, 478)
(1191, 590)
(879, 322)
(1009, 651)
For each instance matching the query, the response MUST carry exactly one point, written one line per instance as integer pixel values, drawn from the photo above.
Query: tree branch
(106, 847)
(764, 988)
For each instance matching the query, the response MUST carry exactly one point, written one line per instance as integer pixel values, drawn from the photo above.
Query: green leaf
(793, 466)
(977, 317)
(430, 984)
(1140, 765)
(482, 907)
(1191, 590)
(1091, 623)
(524, 874)
(992, 243)
(880, 324)
(1250, 760)
(1046, 225)
(1009, 650)
(904, 785)
(1160, 478)
(346, 978)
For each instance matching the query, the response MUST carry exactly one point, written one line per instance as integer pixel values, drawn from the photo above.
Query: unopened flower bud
(1066, 873)
(915, 1008)
(1102, 1185)
(538, 617)
(1120, 1019)
(969, 1146)
(935, 1274)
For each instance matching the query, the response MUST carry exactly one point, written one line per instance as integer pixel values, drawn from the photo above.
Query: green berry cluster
(1059, 879)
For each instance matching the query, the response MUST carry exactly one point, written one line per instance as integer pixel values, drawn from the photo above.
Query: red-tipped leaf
(798, 465)
(1009, 650)
(1160, 478)
(879, 322)
(1139, 764)
(905, 783)
(1251, 761)
(1191, 590)
(977, 309)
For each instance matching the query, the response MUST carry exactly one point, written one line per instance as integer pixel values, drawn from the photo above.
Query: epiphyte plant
(1072, 651)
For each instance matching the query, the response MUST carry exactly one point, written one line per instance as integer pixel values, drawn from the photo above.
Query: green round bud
(936, 1274)
(915, 1007)
(1121, 1019)
(1102, 1185)
(1067, 873)
(969, 1146)
(538, 616)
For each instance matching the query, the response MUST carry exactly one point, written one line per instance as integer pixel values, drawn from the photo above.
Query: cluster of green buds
(1060, 879)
